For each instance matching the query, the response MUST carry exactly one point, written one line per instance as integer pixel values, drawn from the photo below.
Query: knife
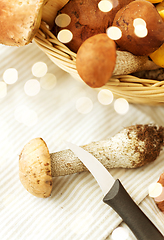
(118, 198)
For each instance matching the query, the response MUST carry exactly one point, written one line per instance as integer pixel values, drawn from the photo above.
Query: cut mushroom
(133, 147)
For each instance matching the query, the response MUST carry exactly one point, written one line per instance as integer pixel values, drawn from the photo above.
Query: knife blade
(117, 197)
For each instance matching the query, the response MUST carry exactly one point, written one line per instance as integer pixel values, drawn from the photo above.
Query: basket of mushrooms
(112, 44)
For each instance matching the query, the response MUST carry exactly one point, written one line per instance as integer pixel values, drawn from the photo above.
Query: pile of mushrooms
(97, 33)
(134, 30)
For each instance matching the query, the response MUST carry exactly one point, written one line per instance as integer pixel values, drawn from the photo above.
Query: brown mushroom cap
(19, 20)
(124, 20)
(35, 168)
(96, 59)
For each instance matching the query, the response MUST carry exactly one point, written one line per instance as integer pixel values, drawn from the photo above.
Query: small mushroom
(133, 147)
(96, 59)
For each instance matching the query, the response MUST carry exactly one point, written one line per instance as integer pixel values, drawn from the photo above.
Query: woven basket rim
(133, 89)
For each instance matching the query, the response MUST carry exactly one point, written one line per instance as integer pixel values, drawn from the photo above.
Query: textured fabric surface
(75, 210)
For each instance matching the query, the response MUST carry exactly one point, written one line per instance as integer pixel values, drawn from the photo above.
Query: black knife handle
(138, 222)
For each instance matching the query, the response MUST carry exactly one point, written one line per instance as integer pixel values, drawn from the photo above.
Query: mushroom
(20, 20)
(96, 59)
(87, 19)
(132, 147)
(141, 26)
(35, 168)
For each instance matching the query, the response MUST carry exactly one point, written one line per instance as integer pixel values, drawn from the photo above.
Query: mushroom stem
(133, 147)
(127, 63)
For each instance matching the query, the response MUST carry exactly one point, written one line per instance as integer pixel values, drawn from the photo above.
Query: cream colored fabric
(75, 210)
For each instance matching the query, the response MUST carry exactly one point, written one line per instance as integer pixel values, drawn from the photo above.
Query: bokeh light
(65, 36)
(120, 234)
(48, 81)
(84, 105)
(30, 118)
(3, 89)
(139, 21)
(10, 75)
(160, 198)
(62, 20)
(19, 112)
(114, 33)
(23, 114)
(32, 87)
(140, 29)
(105, 96)
(121, 106)
(105, 5)
(155, 189)
(39, 69)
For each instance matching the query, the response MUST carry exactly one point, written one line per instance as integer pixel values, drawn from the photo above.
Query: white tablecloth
(75, 210)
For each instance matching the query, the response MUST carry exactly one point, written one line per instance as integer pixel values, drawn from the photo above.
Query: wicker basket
(133, 89)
